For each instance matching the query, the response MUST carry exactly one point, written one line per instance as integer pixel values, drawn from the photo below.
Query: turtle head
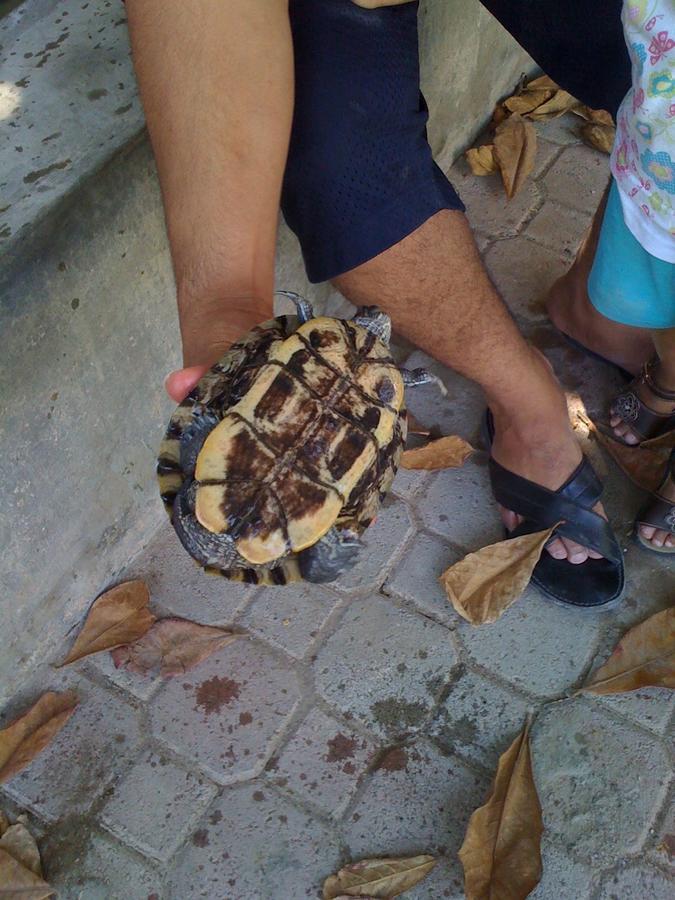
(333, 554)
(375, 321)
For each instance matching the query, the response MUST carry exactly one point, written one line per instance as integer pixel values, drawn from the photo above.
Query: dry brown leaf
(172, 646)
(500, 113)
(515, 147)
(119, 616)
(17, 880)
(20, 843)
(644, 465)
(600, 137)
(481, 160)
(501, 852)
(560, 103)
(378, 878)
(597, 116)
(527, 101)
(543, 82)
(644, 657)
(483, 585)
(28, 735)
(449, 452)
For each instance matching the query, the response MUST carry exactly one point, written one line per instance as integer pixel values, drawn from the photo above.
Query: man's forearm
(216, 79)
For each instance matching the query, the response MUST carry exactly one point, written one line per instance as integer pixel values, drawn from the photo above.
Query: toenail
(578, 557)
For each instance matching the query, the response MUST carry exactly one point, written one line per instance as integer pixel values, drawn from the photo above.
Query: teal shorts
(627, 284)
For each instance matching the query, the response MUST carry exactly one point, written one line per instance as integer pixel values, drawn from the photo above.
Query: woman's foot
(649, 391)
(657, 537)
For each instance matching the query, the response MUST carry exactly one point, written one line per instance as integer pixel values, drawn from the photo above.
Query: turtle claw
(330, 557)
(304, 308)
(415, 377)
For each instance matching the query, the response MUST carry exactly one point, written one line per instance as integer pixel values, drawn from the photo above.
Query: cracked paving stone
(558, 228)
(384, 666)
(289, 617)
(74, 769)
(226, 714)
(252, 844)
(153, 806)
(562, 877)
(537, 645)
(478, 719)
(637, 883)
(416, 577)
(323, 762)
(418, 801)
(578, 178)
(600, 782)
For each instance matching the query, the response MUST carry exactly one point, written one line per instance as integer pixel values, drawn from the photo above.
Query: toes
(659, 538)
(647, 532)
(593, 554)
(576, 554)
(557, 549)
(670, 541)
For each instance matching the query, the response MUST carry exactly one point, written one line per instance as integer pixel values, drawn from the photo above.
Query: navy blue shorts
(360, 175)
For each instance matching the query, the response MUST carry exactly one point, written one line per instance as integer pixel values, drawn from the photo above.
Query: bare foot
(621, 428)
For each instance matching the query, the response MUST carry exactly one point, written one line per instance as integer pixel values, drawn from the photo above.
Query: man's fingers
(178, 384)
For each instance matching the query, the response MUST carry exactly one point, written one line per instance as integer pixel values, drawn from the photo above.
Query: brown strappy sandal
(645, 422)
(659, 513)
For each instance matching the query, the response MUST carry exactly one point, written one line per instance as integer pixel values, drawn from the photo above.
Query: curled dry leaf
(644, 657)
(515, 147)
(28, 735)
(19, 881)
(481, 160)
(501, 852)
(448, 452)
(172, 646)
(527, 101)
(600, 137)
(543, 82)
(20, 843)
(645, 465)
(560, 103)
(598, 116)
(378, 878)
(484, 584)
(118, 616)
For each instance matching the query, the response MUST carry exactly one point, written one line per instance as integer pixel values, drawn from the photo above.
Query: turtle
(277, 461)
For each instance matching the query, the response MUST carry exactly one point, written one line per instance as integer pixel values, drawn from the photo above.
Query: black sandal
(659, 513)
(645, 422)
(590, 585)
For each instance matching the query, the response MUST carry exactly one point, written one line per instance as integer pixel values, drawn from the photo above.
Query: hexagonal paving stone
(408, 483)
(562, 131)
(661, 843)
(253, 844)
(418, 801)
(558, 228)
(479, 719)
(99, 740)
(226, 714)
(153, 806)
(600, 782)
(140, 686)
(383, 542)
(652, 707)
(289, 617)
(637, 883)
(562, 877)
(416, 576)
(384, 665)
(538, 645)
(323, 762)
(578, 178)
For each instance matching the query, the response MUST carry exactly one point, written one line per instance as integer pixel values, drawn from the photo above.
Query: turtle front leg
(192, 439)
(304, 307)
(415, 377)
(329, 557)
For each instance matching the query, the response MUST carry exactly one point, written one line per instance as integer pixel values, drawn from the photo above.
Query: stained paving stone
(323, 762)
(559, 228)
(97, 743)
(253, 844)
(578, 178)
(383, 542)
(417, 576)
(547, 152)
(563, 131)
(140, 686)
(226, 714)
(652, 708)
(289, 617)
(409, 482)
(479, 719)
(418, 801)
(661, 842)
(637, 882)
(384, 666)
(154, 804)
(562, 877)
(600, 782)
(539, 646)
(83, 865)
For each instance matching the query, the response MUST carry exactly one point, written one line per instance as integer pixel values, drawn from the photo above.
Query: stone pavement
(366, 718)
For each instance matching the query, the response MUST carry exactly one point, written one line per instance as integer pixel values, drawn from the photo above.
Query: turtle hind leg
(304, 308)
(415, 377)
(192, 439)
(330, 557)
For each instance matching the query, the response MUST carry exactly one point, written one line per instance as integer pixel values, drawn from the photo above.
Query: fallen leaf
(560, 103)
(448, 452)
(501, 852)
(378, 878)
(527, 101)
(600, 137)
(28, 735)
(483, 585)
(598, 116)
(16, 879)
(500, 113)
(644, 657)
(481, 160)
(644, 465)
(20, 843)
(543, 82)
(515, 147)
(172, 646)
(118, 616)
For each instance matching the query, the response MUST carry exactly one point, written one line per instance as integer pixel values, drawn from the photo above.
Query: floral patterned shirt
(643, 158)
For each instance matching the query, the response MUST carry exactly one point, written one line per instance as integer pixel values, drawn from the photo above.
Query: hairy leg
(435, 288)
